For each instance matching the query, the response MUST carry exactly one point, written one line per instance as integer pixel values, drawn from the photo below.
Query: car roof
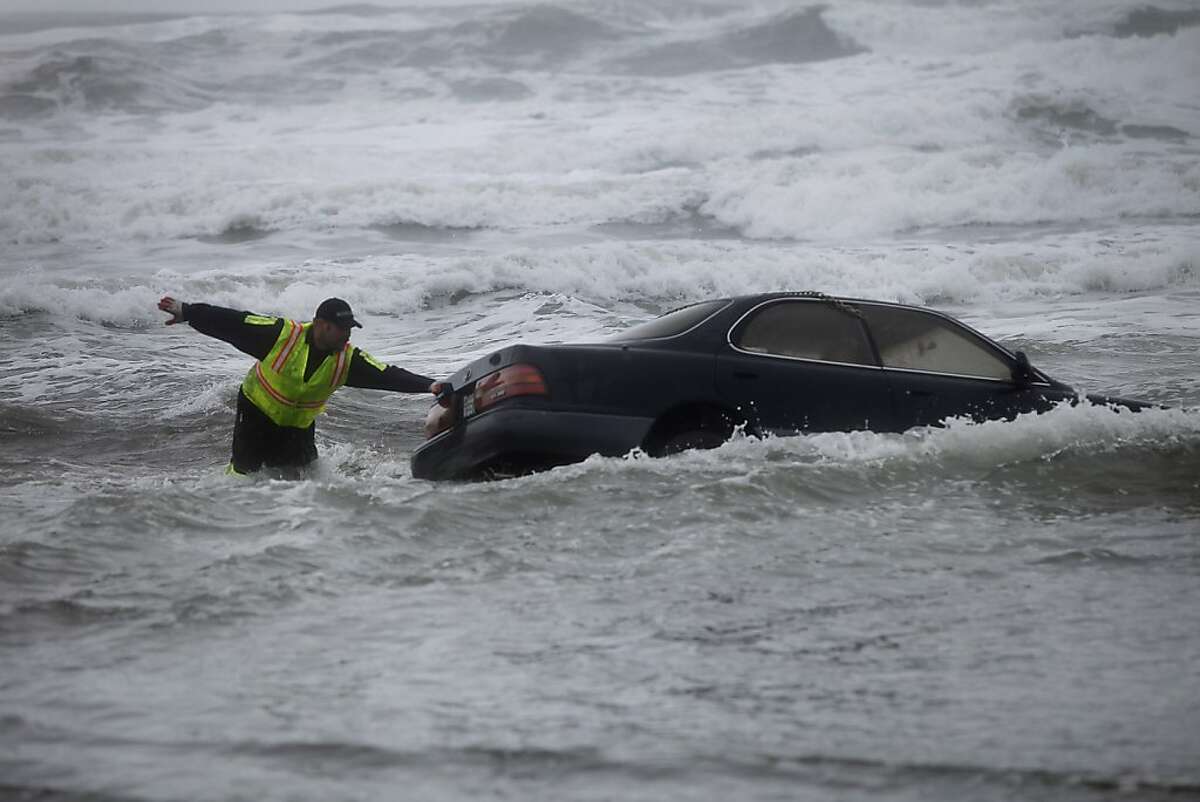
(809, 295)
(815, 295)
(755, 299)
(742, 302)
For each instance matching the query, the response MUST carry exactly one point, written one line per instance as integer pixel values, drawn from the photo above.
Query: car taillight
(509, 382)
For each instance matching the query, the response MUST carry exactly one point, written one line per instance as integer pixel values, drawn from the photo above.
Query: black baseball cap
(336, 311)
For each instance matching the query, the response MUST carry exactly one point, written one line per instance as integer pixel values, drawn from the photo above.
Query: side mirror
(1022, 373)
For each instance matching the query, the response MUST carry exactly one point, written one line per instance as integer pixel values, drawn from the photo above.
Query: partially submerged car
(781, 363)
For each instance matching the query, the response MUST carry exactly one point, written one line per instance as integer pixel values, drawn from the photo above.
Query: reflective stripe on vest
(276, 383)
(341, 368)
(293, 337)
(280, 397)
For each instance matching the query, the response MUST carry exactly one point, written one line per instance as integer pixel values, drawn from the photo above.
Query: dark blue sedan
(782, 363)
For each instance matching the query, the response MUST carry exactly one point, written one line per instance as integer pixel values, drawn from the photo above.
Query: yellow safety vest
(276, 383)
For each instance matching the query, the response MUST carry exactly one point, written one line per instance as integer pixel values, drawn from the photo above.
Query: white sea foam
(655, 273)
(873, 193)
(109, 196)
(961, 449)
(1086, 428)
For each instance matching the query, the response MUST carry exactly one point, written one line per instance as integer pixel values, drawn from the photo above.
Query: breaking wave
(792, 38)
(592, 115)
(71, 194)
(653, 276)
(1153, 21)
(176, 73)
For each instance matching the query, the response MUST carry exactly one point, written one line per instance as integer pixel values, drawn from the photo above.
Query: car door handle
(744, 374)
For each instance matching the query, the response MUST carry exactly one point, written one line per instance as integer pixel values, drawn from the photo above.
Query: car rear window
(672, 323)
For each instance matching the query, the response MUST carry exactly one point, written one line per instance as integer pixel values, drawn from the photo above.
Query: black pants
(259, 441)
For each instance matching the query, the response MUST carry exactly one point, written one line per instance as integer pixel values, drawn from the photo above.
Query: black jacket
(257, 340)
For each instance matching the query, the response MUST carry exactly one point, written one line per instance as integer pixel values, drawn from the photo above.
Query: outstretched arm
(368, 372)
(250, 333)
(173, 308)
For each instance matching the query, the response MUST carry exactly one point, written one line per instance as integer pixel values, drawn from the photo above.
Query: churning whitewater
(995, 611)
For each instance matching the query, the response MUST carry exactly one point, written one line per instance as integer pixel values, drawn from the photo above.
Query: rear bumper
(535, 436)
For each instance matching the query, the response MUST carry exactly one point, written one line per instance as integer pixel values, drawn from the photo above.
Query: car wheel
(695, 438)
(686, 429)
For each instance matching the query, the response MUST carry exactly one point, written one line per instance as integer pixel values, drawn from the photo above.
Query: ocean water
(998, 611)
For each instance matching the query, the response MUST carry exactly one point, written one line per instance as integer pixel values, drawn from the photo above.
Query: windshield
(672, 323)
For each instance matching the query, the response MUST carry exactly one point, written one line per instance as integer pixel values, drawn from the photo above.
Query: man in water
(299, 367)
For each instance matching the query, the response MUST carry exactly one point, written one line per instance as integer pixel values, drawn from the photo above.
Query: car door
(939, 368)
(804, 365)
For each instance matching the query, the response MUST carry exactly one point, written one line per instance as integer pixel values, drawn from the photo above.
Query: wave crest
(109, 78)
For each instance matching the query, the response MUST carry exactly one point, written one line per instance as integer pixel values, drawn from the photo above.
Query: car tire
(700, 429)
(700, 439)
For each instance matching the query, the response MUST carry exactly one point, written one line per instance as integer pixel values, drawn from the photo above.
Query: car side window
(915, 340)
(805, 330)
